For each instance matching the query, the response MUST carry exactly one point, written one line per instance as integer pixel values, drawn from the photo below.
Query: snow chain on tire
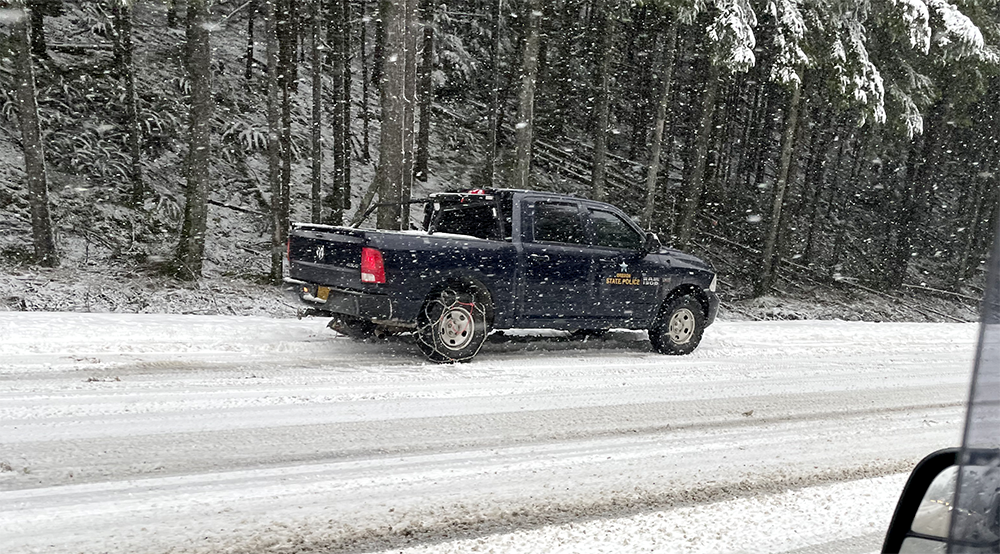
(448, 327)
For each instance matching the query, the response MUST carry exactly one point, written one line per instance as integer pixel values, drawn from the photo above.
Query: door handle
(539, 257)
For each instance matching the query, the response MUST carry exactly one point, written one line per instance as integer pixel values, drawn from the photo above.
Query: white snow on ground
(183, 433)
(849, 517)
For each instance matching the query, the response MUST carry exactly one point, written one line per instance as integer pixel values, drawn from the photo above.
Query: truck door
(556, 261)
(626, 281)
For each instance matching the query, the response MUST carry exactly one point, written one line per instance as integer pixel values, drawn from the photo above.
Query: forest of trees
(853, 139)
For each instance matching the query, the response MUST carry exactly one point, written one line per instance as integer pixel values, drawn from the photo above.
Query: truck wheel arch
(686, 289)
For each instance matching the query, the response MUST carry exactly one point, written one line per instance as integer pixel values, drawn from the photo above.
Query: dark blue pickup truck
(501, 259)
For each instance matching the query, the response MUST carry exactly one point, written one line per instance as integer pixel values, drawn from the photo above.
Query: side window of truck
(612, 231)
(558, 222)
(477, 220)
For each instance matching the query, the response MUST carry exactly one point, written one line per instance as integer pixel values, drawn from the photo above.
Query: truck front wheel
(452, 326)
(678, 328)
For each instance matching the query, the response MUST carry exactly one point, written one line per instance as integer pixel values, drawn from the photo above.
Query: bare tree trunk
(346, 107)
(761, 141)
(696, 181)
(637, 32)
(526, 105)
(494, 115)
(336, 39)
(274, 134)
(972, 228)
(814, 181)
(31, 137)
(290, 38)
(38, 46)
(749, 128)
(835, 207)
(922, 162)
(251, 16)
(191, 250)
(365, 101)
(826, 179)
(791, 213)
(316, 203)
(412, 22)
(729, 136)
(769, 262)
(171, 13)
(395, 170)
(126, 70)
(286, 78)
(378, 53)
(667, 77)
(603, 108)
(425, 95)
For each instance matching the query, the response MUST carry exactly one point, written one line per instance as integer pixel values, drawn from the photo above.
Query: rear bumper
(360, 304)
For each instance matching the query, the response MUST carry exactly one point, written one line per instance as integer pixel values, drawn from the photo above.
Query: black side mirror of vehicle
(652, 243)
(926, 517)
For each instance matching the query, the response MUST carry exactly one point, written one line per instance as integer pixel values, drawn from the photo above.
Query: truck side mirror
(926, 517)
(652, 243)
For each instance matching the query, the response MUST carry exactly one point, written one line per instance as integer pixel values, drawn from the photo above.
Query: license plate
(323, 293)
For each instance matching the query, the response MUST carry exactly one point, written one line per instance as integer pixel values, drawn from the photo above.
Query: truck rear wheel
(678, 328)
(452, 326)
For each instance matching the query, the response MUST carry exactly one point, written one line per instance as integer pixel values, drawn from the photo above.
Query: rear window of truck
(477, 220)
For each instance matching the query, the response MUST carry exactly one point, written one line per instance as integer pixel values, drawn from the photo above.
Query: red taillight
(372, 268)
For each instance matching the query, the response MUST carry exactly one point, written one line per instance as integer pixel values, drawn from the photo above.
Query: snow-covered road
(156, 433)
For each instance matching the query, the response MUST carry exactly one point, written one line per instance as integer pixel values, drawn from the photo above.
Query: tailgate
(326, 255)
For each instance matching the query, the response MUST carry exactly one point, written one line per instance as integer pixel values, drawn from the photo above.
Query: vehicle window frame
(640, 236)
(494, 232)
(528, 235)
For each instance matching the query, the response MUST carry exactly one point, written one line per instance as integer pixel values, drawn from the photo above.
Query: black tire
(678, 328)
(452, 326)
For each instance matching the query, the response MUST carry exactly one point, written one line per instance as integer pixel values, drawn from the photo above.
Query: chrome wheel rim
(455, 328)
(680, 328)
